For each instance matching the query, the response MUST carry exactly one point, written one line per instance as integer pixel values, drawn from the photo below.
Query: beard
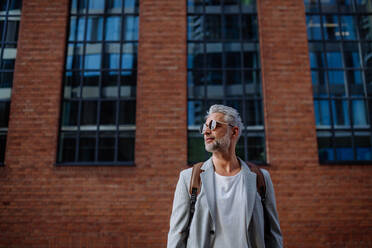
(221, 144)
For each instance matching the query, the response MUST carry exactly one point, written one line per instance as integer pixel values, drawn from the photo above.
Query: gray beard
(219, 144)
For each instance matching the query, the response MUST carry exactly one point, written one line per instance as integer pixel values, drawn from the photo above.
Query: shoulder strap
(195, 181)
(261, 185)
(195, 185)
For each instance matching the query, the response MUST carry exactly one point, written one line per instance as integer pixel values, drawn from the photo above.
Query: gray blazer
(202, 228)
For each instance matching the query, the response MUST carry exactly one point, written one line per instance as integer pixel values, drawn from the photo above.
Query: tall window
(340, 48)
(224, 68)
(10, 16)
(99, 94)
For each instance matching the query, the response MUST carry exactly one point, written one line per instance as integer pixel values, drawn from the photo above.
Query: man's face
(218, 139)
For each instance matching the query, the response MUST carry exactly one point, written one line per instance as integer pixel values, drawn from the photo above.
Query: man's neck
(226, 163)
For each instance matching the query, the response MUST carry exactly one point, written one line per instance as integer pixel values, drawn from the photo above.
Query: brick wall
(319, 205)
(42, 205)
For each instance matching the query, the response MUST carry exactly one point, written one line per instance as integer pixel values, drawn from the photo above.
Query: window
(224, 68)
(99, 93)
(340, 35)
(10, 16)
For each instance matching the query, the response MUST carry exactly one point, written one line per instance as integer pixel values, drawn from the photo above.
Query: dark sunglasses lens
(212, 125)
(201, 128)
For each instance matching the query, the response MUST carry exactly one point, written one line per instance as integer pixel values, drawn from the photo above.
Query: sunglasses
(212, 126)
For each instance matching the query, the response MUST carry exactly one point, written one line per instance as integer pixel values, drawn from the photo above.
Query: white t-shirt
(231, 205)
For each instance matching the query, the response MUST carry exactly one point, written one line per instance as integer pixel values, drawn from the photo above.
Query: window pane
(325, 146)
(127, 114)
(113, 28)
(363, 146)
(214, 55)
(232, 58)
(109, 84)
(131, 28)
(4, 114)
(340, 109)
(108, 113)
(114, 6)
(311, 5)
(348, 27)
(90, 86)
(234, 86)
(88, 113)
(126, 147)
(196, 111)
(112, 56)
(70, 113)
(87, 145)
(129, 56)
(231, 27)
(254, 113)
(106, 147)
(359, 112)
(92, 58)
(336, 83)
(94, 28)
(67, 147)
(195, 27)
(314, 31)
(212, 28)
(96, 6)
(331, 28)
(131, 6)
(195, 147)
(249, 27)
(365, 27)
(322, 113)
(195, 55)
(343, 145)
(354, 79)
(256, 147)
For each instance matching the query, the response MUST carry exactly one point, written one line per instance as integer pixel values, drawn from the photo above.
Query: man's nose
(207, 130)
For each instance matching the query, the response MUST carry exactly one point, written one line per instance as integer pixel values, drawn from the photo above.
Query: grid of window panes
(10, 16)
(99, 94)
(340, 49)
(224, 68)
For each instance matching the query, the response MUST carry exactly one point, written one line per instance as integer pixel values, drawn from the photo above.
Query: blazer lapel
(207, 178)
(251, 187)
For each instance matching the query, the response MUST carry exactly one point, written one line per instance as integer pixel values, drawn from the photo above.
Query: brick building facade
(47, 205)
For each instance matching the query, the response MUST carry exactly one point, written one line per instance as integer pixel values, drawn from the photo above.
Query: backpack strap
(195, 185)
(261, 185)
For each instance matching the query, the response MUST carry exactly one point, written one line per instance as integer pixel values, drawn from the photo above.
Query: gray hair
(231, 115)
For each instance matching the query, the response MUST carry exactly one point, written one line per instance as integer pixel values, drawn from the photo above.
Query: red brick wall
(319, 205)
(42, 205)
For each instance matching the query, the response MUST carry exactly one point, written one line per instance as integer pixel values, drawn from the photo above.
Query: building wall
(44, 205)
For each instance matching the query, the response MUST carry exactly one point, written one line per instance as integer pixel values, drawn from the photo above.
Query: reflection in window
(339, 34)
(224, 68)
(10, 15)
(99, 94)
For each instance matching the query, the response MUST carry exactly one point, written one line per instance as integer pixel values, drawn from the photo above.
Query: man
(228, 210)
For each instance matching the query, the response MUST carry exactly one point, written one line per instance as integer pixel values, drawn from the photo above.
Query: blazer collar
(208, 182)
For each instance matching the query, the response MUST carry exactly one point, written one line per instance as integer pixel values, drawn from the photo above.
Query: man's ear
(235, 131)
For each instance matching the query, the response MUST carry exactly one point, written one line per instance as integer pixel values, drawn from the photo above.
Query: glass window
(341, 70)
(99, 92)
(10, 16)
(224, 68)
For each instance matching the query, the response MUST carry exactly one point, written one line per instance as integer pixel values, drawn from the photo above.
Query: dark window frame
(335, 95)
(120, 128)
(243, 42)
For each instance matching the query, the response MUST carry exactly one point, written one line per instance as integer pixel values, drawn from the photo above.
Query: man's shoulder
(186, 173)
